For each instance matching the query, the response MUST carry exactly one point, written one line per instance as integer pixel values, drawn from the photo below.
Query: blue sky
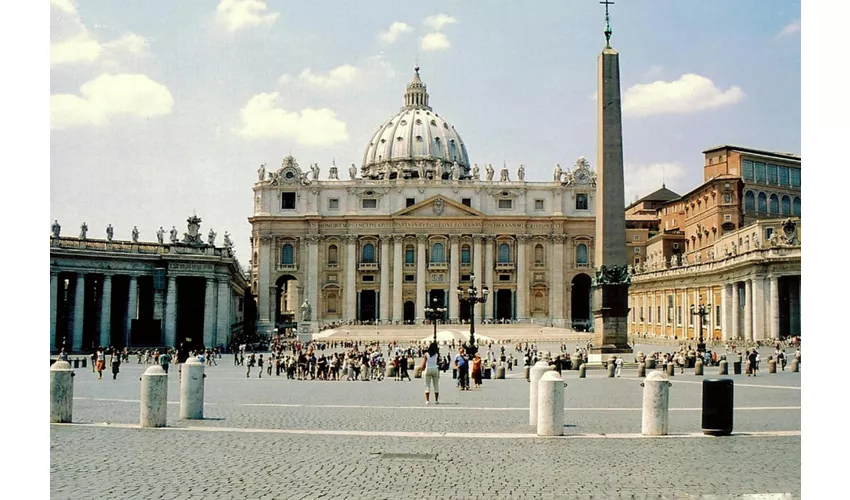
(162, 108)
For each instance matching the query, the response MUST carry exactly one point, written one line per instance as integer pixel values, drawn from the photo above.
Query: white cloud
(238, 14)
(107, 96)
(262, 119)
(689, 94)
(641, 180)
(434, 42)
(79, 49)
(790, 29)
(396, 29)
(438, 21)
(130, 43)
(336, 77)
(65, 5)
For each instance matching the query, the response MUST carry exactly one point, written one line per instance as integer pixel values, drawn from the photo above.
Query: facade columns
(686, 313)
(106, 311)
(477, 265)
(398, 278)
(557, 281)
(421, 240)
(568, 298)
(521, 278)
(794, 308)
(171, 309)
(350, 277)
(663, 318)
(736, 311)
(132, 305)
(759, 330)
(725, 295)
(54, 296)
(384, 305)
(223, 309)
(313, 275)
(454, 267)
(263, 297)
(210, 293)
(748, 310)
(774, 307)
(488, 274)
(79, 311)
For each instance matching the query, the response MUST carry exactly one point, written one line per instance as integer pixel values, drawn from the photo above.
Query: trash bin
(736, 366)
(83, 363)
(76, 363)
(718, 397)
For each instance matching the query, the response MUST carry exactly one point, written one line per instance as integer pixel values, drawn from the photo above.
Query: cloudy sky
(162, 108)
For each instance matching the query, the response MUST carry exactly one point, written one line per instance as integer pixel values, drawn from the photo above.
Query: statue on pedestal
(173, 234)
(352, 172)
(83, 230)
(55, 228)
(557, 173)
(261, 172)
(109, 232)
(211, 237)
(455, 171)
(333, 173)
(160, 235)
(306, 311)
(315, 169)
(420, 169)
(520, 173)
(438, 169)
(135, 234)
(228, 243)
(504, 175)
(476, 175)
(490, 171)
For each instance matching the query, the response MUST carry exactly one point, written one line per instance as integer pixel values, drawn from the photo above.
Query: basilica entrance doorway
(504, 305)
(190, 311)
(464, 310)
(286, 305)
(580, 306)
(409, 312)
(368, 305)
(440, 295)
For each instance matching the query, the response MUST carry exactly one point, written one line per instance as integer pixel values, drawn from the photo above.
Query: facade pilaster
(313, 276)
(556, 284)
(384, 305)
(568, 298)
(736, 311)
(725, 319)
(774, 307)
(477, 266)
(54, 299)
(266, 263)
(759, 329)
(748, 309)
(223, 321)
(421, 241)
(106, 311)
(210, 293)
(350, 277)
(79, 311)
(794, 308)
(686, 312)
(488, 273)
(521, 278)
(454, 267)
(170, 309)
(398, 278)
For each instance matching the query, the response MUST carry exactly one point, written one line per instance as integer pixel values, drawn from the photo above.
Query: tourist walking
(260, 366)
(431, 372)
(462, 367)
(753, 358)
(100, 356)
(250, 364)
(618, 366)
(116, 363)
(476, 370)
(164, 361)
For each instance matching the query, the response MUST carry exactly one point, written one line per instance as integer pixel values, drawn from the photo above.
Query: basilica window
(465, 256)
(581, 201)
(438, 253)
(774, 204)
(581, 254)
(504, 253)
(333, 204)
(287, 255)
(750, 201)
(369, 203)
(333, 254)
(287, 201)
(786, 205)
(409, 255)
(368, 254)
(796, 206)
(538, 204)
(506, 204)
(538, 255)
(762, 203)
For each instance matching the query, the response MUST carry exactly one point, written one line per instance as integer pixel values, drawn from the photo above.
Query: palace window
(768, 233)
(368, 278)
(287, 201)
(785, 209)
(748, 170)
(438, 253)
(637, 250)
(784, 179)
(795, 177)
(749, 201)
(581, 254)
(409, 255)
(465, 257)
(772, 175)
(409, 278)
(774, 204)
(760, 176)
(368, 254)
(504, 253)
(762, 203)
(287, 255)
(796, 206)
(581, 201)
(727, 197)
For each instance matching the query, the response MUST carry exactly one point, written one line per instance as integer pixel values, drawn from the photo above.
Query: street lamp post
(702, 311)
(434, 313)
(472, 298)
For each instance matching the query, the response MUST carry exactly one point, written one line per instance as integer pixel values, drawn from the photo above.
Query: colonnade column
(351, 277)
(736, 311)
(170, 310)
(454, 265)
(686, 313)
(748, 310)
(263, 296)
(222, 323)
(132, 304)
(557, 283)
(54, 295)
(313, 275)
(774, 307)
(398, 278)
(79, 310)
(521, 278)
(794, 308)
(477, 259)
(488, 275)
(384, 307)
(421, 240)
(663, 313)
(724, 311)
(106, 311)
(758, 308)
(210, 293)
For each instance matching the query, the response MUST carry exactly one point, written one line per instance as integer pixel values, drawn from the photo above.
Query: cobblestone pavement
(277, 438)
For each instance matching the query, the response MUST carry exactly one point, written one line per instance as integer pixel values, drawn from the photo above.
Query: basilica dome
(416, 142)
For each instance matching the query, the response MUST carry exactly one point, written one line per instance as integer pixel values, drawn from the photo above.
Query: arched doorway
(368, 305)
(580, 305)
(409, 312)
(504, 304)
(286, 305)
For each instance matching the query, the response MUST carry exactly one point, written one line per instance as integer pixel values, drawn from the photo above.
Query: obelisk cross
(607, 22)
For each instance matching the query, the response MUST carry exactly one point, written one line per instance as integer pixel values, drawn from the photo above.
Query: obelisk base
(610, 323)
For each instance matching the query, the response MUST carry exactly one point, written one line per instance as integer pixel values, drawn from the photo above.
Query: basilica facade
(415, 222)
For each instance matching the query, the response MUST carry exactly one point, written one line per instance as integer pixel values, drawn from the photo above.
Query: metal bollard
(656, 403)
(611, 368)
(500, 372)
(582, 371)
(192, 390)
(536, 373)
(698, 367)
(550, 405)
(771, 366)
(671, 369)
(718, 397)
(641, 370)
(724, 367)
(154, 397)
(795, 366)
(61, 392)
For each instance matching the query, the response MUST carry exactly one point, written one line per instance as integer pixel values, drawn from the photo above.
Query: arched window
(465, 257)
(762, 203)
(369, 253)
(796, 206)
(504, 253)
(750, 201)
(409, 255)
(581, 254)
(333, 254)
(774, 204)
(786, 205)
(438, 254)
(286, 255)
(538, 254)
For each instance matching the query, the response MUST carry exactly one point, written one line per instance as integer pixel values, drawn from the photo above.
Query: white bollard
(535, 373)
(550, 405)
(656, 402)
(154, 407)
(61, 392)
(192, 389)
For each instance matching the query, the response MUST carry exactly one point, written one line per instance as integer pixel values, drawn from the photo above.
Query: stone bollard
(795, 366)
(641, 370)
(724, 367)
(154, 407)
(582, 371)
(576, 362)
(526, 372)
(391, 372)
(611, 368)
(671, 369)
(698, 367)
(550, 405)
(500, 372)
(536, 372)
(192, 390)
(656, 403)
(61, 392)
(771, 366)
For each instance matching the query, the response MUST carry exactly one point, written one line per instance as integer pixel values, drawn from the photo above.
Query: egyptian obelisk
(611, 278)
